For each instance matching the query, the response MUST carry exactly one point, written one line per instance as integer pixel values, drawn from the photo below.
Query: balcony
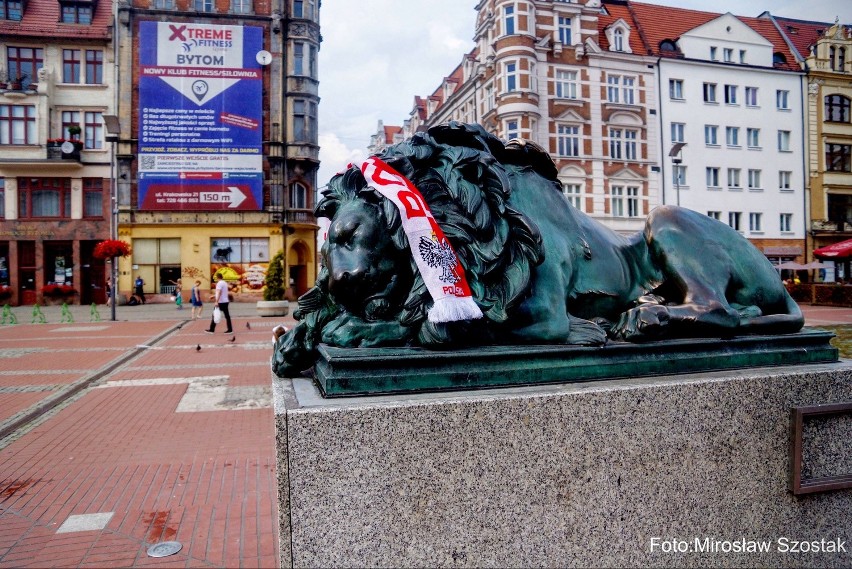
(300, 216)
(827, 226)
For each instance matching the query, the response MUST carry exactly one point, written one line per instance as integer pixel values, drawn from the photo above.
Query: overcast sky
(376, 55)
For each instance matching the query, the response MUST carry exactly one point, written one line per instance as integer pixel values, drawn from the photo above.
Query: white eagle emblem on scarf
(441, 255)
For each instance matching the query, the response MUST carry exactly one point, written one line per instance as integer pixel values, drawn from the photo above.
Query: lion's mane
(463, 174)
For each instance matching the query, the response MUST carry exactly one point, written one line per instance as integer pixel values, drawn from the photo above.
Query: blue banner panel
(200, 117)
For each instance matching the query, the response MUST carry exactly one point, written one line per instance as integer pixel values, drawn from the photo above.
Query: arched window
(836, 108)
(298, 196)
(831, 55)
(618, 40)
(841, 58)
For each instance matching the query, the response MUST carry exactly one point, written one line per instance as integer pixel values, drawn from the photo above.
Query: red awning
(836, 251)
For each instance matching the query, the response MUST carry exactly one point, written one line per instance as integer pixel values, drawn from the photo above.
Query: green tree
(275, 278)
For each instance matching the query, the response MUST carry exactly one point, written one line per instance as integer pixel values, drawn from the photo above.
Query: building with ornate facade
(642, 105)
(56, 71)
(825, 53)
(218, 153)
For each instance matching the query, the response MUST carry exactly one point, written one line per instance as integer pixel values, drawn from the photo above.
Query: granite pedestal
(679, 470)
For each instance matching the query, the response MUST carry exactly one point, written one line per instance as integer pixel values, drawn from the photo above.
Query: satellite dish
(67, 147)
(263, 57)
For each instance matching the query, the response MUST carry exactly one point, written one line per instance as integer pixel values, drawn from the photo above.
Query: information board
(200, 117)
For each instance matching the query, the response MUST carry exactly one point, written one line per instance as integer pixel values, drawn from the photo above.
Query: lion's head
(464, 175)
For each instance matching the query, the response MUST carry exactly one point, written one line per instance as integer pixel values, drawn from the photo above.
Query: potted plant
(111, 248)
(59, 293)
(273, 303)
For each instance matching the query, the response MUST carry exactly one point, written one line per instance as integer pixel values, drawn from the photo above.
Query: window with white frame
(630, 145)
(717, 215)
(754, 222)
(754, 179)
(710, 93)
(163, 4)
(612, 88)
(734, 179)
(298, 196)
(303, 9)
(489, 99)
(616, 201)
(627, 90)
(753, 137)
(510, 71)
(512, 129)
(730, 94)
(782, 100)
(785, 222)
(508, 20)
(564, 27)
(18, 124)
(783, 141)
(784, 179)
(711, 135)
(751, 96)
(618, 40)
(732, 135)
(615, 135)
(713, 55)
(203, 5)
(241, 6)
(676, 89)
(574, 193)
(712, 175)
(734, 218)
(728, 55)
(678, 129)
(633, 201)
(566, 84)
(567, 140)
(742, 56)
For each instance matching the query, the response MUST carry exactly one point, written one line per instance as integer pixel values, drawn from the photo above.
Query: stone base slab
(342, 372)
(655, 472)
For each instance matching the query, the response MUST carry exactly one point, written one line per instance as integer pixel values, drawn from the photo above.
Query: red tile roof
(658, 23)
(390, 131)
(802, 34)
(41, 19)
(618, 11)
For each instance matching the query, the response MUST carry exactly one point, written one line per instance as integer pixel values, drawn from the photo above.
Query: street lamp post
(674, 153)
(113, 128)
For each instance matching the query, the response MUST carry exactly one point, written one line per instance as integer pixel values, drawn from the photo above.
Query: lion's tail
(788, 322)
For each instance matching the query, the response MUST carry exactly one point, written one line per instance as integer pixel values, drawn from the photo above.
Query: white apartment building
(731, 118)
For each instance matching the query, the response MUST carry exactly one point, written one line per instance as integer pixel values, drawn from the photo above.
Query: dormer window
(11, 10)
(778, 58)
(668, 46)
(77, 12)
(618, 35)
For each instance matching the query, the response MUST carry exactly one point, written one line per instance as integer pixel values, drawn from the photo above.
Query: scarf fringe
(452, 309)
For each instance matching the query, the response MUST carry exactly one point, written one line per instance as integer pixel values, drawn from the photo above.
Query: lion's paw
(644, 322)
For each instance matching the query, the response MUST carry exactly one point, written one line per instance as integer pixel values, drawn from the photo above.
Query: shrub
(274, 282)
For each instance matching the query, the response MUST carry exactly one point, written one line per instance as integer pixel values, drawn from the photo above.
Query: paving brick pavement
(117, 435)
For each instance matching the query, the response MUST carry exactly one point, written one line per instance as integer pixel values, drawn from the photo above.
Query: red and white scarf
(438, 263)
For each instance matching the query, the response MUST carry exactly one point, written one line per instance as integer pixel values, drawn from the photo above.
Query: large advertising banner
(200, 117)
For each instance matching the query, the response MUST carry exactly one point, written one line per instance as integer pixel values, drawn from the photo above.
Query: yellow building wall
(195, 249)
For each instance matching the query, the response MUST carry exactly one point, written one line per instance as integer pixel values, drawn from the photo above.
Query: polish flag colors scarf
(434, 256)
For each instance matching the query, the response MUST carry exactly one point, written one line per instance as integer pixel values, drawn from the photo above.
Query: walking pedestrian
(220, 297)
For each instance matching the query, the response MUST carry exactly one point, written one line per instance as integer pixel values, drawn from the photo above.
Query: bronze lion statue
(540, 270)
